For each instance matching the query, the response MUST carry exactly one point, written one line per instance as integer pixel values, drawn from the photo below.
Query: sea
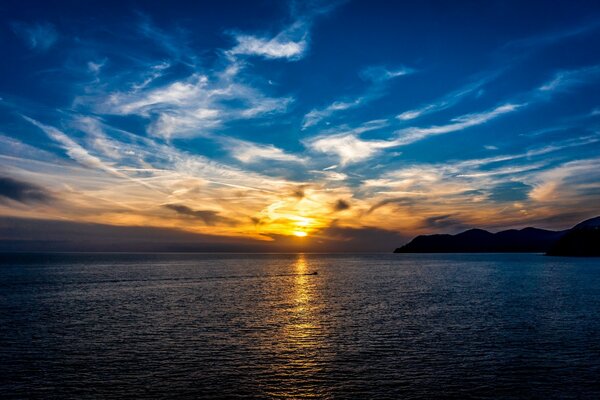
(331, 326)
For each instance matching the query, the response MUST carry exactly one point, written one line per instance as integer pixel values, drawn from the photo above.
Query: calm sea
(247, 325)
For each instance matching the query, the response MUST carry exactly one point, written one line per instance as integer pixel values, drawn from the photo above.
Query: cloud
(566, 183)
(174, 43)
(545, 191)
(348, 147)
(248, 152)
(291, 43)
(97, 139)
(315, 116)
(39, 235)
(333, 176)
(564, 79)
(341, 205)
(353, 239)
(194, 106)
(23, 192)
(209, 217)
(412, 114)
(37, 36)
(410, 135)
(550, 38)
(448, 100)
(281, 46)
(448, 221)
(26, 234)
(232, 174)
(497, 190)
(351, 149)
(78, 153)
(96, 67)
(378, 75)
(73, 149)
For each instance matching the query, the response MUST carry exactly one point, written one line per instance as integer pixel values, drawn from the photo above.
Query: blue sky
(317, 121)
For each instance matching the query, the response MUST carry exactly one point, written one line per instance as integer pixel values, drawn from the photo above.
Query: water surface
(367, 326)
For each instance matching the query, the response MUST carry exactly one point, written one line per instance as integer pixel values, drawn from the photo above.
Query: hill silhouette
(581, 240)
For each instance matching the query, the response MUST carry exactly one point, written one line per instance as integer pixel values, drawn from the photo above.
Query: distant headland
(582, 240)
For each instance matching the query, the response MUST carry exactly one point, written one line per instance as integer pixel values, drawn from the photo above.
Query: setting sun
(300, 233)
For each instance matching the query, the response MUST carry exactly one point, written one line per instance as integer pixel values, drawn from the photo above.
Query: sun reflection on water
(302, 337)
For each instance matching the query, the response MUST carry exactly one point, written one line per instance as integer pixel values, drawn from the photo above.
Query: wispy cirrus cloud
(568, 78)
(350, 148)
(249, 152)
(376, 75)
(379, 73)
(37, 36)
(347, 144)
(291, 43)
(195, 105)
(73, 149)
(549, 38)
(566, 183)
(177, 97)
(448, 100)
(173, 43)
(510, 185)
(410, 135)
(314, 116)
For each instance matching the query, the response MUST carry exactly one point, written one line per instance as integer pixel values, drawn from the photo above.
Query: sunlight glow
(300, 233)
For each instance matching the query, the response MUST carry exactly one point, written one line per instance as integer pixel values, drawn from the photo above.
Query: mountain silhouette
(581, 240)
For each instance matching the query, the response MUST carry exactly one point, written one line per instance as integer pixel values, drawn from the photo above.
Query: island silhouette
(582, 240)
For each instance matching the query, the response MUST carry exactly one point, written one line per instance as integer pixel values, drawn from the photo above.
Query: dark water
(367, 326)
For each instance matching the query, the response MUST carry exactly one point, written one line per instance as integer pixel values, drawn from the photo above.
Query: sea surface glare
(247, 325)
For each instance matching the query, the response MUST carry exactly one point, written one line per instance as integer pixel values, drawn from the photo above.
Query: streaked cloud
(248, 152)
(377, 75)
(552, 37)
(351, 149)
(315, 116)
(348, 147)
(75, 151)
(291, 43)
(381, 73)
(448, 100)
(37, 36)
(567, 182)
(209, 217)
(568, 78)
(410, 135)
(195, 105)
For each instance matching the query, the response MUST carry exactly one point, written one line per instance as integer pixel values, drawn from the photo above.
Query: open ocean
(258, 325)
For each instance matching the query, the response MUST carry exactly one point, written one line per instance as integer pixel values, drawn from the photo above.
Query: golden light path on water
(302, 334)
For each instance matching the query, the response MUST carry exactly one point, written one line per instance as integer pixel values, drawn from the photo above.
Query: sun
(300, 233)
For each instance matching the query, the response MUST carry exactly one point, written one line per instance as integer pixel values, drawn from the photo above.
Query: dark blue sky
(256, 119)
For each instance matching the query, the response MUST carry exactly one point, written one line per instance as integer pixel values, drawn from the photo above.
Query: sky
(275, 126)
